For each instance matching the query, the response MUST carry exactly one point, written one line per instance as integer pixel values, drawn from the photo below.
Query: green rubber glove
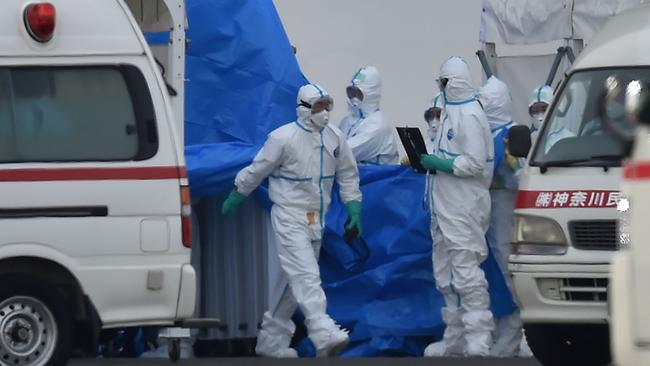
(354, 210)
(232, 203)
(432, 162)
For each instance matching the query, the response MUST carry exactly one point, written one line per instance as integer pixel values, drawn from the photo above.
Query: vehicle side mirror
(519, 142)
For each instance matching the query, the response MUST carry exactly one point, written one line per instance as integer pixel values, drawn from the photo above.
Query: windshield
(573, 133)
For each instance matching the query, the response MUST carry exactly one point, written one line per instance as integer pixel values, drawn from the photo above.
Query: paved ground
(311, 362)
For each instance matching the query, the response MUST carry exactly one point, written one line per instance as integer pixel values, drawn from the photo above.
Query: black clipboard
(414, 146)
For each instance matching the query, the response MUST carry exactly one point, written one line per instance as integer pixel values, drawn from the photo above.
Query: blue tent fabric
(391, 303)
(242, 82)
(243, 79)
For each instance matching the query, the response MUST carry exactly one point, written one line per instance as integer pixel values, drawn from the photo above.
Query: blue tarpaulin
(242, 83)
(243, 79)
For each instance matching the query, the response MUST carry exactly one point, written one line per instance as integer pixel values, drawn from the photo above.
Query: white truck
(94, 196)
(565, 225)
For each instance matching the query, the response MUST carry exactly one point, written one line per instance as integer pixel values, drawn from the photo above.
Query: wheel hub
(27, 332)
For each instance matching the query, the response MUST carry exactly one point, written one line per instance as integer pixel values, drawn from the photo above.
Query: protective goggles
(442, 83)
(325, 103)
(432, 113)
(354, 92)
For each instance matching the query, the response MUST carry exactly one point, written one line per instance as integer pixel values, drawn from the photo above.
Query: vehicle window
(574, 131)
(58, 114)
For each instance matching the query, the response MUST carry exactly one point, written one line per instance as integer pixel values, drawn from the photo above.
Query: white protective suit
(460, 218)
(372, 139)
(496, 100)
(433, 126)
(302, 162)
(541, 94)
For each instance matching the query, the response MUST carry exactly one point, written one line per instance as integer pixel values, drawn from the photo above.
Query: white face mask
(434, 123)
(320, 119)
(538, 118)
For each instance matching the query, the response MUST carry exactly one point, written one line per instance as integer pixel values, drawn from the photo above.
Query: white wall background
(407, 40)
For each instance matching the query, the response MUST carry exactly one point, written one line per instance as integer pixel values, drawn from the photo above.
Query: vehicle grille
(594, 234)
(584, 289)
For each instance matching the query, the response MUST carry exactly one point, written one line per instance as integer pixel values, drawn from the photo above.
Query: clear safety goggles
(354, 92)
(325, 103)
(432, 113)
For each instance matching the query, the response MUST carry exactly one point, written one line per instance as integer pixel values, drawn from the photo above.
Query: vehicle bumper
(561, 293)
(626, 351)
(187, 293)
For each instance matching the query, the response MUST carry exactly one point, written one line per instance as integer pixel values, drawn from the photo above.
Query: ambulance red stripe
(568, 199)
(90, 174)
(637, 171)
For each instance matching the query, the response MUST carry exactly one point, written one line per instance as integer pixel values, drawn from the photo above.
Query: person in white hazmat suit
(371, 137)
(302, 160)
(540, 99)
(460, 215)
(497, 103)
(432, 118)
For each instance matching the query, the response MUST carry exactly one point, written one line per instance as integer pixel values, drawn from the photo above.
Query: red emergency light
(40, 20)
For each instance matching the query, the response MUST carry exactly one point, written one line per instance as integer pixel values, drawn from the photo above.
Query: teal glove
(432, 162)
(354, 210)
(232, 203)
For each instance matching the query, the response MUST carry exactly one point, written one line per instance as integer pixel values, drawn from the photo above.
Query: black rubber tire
(53, 300)
(174, 350)
(569, 345)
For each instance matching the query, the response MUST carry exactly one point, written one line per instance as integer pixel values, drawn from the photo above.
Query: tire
(569, 345)
(35, 324)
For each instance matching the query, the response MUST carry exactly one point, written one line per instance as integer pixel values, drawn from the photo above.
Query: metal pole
(484, 62)
(570, 55)
(556, 64)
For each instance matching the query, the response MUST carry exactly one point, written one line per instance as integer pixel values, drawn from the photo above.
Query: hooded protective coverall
(433, 125)
(496, 100)
(460, 217)
(541, 94)
(370, 136)
(302, 161)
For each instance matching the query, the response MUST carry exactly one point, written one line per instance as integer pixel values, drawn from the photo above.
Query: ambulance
(629, 291)
(94, 198)
(569, 203)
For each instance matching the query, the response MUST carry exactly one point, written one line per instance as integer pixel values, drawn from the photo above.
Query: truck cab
(565, 224)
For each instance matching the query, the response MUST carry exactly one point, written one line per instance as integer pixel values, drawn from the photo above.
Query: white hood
(497, 103)
(460, 87)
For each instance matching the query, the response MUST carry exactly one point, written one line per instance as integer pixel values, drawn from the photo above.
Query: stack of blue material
(242, 83)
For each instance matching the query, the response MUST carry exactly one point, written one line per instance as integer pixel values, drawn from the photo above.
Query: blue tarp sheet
(243, 79)
(242, 82)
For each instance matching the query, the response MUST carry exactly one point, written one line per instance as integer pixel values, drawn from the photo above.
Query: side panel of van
(89, 176)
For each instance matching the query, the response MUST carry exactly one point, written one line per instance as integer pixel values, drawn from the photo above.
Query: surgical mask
(538, 118)
(354, 107)
(434, 123)
(320, 119)
(354, 102)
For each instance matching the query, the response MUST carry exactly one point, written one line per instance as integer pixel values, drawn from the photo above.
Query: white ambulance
(94, 200)
(629, 291)
(565, 225)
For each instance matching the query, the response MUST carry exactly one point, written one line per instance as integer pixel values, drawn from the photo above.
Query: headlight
(537, 236)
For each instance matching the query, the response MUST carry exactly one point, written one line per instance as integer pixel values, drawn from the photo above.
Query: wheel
(174, 349)
(569, 345)
(35, 325)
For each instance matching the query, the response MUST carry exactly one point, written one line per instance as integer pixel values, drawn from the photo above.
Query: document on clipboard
(414, 146)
